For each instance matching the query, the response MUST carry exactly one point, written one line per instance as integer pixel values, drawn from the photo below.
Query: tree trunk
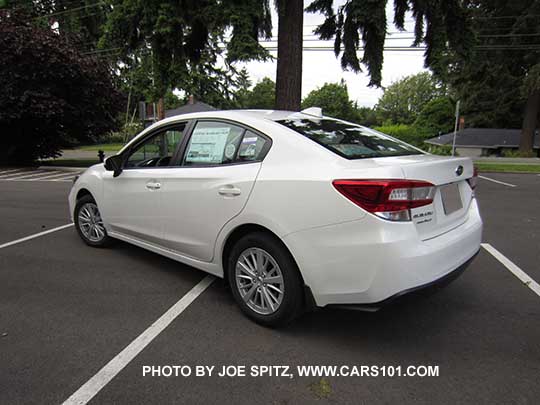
(530, 121)
(289, 63)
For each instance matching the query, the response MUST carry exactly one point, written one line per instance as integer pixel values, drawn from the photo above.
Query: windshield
(348, 140)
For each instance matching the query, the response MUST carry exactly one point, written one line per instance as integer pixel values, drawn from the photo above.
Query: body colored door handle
(153, 185)
(229, 191)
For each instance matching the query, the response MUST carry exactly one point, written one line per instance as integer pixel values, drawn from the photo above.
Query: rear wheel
(89, 223)
(265, 280)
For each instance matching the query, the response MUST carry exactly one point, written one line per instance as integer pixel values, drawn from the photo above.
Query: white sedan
(294, 210)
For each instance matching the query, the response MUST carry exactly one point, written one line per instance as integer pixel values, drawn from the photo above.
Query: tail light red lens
(388, 199)
(473, 181)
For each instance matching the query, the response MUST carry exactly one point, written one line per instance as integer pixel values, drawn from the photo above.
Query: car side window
(213, 143)
(158, 150)
(252, 147)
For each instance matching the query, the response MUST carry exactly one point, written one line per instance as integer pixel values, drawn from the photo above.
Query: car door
(220, 163)
(132, 200)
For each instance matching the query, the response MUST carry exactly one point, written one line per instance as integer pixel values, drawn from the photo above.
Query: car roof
(242, 116)
(270, 115)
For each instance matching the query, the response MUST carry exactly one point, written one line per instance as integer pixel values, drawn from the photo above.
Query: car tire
(256, 264)
(89, 224)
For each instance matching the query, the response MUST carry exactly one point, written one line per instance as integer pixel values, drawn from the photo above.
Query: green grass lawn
(507, 167)
(105, 147)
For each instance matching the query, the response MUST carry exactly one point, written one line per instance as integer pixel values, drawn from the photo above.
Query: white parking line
(36, 235)
(68, 178)
(14, 173)
(122, 359)
(10, 171)
(497, 181)
(32, 174)
(524, 277)
(47, 176)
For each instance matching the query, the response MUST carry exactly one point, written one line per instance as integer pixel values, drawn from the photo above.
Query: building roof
(487, 138)
(198, 106)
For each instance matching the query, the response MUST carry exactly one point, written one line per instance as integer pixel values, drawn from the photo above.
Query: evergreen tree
(442, 25)
(499, 83)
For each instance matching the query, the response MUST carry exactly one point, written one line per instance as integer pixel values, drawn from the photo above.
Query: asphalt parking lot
(66, 310)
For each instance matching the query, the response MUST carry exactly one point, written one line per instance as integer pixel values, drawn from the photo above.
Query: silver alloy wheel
(259, 281)
(90, 222)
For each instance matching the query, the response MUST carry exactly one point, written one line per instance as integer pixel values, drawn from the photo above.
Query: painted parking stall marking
(497, 181)
(34, 236)
(13, 173)
(513, 268)
(5, 172)
(122, 359)
(38, 175)
(53, 174)
(33, 173)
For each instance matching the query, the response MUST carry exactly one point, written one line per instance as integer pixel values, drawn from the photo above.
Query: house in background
(193, 105)
(148, 111)
(475, 142)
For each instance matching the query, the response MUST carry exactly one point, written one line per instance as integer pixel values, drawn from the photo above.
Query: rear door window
(252, 147)
(348, 140)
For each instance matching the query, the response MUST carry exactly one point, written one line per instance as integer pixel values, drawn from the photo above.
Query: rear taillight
(388, 199)
(473, 181)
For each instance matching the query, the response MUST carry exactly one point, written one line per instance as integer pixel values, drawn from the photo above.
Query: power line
(508, 35)
(99, 3)
(506, 17)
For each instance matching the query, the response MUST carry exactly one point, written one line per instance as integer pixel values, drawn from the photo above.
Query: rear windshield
(348, 140)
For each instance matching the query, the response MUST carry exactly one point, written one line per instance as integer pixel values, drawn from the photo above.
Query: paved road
(68, 309)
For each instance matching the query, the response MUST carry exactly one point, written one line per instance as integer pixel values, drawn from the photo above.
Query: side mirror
(114, 164)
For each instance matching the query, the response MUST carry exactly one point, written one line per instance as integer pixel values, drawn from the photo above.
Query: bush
(52, 96)
(406, 133)
(444, 150)
(517, 154)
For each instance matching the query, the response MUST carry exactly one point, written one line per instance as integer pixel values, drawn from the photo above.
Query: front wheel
(89, 223)
(265, 280)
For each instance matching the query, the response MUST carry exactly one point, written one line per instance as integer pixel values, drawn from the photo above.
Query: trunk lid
(449, 175)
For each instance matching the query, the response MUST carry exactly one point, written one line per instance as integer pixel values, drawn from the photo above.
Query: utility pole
(455, 129)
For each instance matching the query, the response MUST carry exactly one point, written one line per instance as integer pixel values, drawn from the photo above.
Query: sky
(320, 67)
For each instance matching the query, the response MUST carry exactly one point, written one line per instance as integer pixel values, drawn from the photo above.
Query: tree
(367, 116)
(531, 87)
(52, 96)
(403, 100)
(334, 100)
(85, 18)
(181, 39)
(171, 100)
(263, 95)
(289, 62)
(437, 116)
(442, 25)
(496, 82)
(242, 92)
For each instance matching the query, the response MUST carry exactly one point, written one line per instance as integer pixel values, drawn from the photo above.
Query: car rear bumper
(371, 260)
(441, 282)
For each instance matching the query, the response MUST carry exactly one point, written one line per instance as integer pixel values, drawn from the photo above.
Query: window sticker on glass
(251, 139)
(207, 145)
(230, 150)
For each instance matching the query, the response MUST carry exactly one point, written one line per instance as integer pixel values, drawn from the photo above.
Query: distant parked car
(293, 209)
